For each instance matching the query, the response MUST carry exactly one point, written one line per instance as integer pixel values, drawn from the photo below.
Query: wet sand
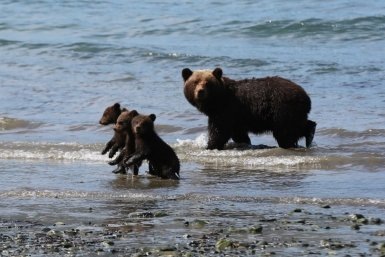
(207, 229)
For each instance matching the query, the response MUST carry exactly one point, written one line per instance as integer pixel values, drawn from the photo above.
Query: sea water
(63, 62)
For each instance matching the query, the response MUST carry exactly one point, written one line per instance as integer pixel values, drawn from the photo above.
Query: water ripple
(344, 30)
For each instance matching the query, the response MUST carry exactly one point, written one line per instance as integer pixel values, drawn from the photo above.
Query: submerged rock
(358, 218)
(375, 221)
(199, 223)
(257, 229)
(222, 244)
(141, 215)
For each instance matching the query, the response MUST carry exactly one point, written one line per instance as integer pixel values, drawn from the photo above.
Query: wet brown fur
(148, 145)
(236, 107)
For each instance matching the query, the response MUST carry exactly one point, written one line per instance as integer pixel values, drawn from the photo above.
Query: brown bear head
(202, 87)
(123, 122)
(111, 114)
(143, 124)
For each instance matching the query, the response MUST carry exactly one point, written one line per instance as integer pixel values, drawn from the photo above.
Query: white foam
(51, 151)
(77, 195)
(199, 142)
(243, 157)
(84, 155)
(188, 150)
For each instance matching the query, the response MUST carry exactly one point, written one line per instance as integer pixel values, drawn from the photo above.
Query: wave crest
(7, 123)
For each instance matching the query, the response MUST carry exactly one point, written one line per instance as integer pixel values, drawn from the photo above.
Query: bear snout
(200, 93)
(117, 128)
(138, 129)
(103, 122)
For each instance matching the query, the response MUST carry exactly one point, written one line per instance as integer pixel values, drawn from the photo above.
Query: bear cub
(148, 145)
(118, 140)
(237, 107)
(126, 140)
(111, 114)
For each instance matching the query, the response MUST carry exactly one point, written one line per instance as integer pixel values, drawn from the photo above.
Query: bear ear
(152, 117)
(117, 106)
(218, 73)
(133, 113)
(124, 110)
(186, 73)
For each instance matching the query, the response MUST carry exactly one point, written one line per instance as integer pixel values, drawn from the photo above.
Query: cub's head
(143, 124)
(111, 114)
(202, 86)
(124, 120)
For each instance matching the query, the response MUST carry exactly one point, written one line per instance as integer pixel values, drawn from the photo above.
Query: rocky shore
(297, 232)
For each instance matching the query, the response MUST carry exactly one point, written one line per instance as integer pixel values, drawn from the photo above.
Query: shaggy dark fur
(236, 107)
(148, 145)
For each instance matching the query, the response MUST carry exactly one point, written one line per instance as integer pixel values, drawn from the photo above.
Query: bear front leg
(285, 139)
(218, 136)
(152, 170)
(113, 150)
(135, 169)
(120, 169)
(118, 159)
(108, 146)
(135, 159)
(310, 131)
(241, 138)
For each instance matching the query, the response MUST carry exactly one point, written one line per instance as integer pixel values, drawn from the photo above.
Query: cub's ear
(186, 73)
(133, 113)
(116, 106)
(152, 117)
(124, 110)
(218, 73)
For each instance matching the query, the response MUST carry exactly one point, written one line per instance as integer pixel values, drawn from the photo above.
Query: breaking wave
(7, 123)
(363, 151)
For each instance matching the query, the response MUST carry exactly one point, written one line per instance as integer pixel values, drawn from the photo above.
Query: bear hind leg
(310, 131)
(286, 144)
(286, 140)
(169, 173)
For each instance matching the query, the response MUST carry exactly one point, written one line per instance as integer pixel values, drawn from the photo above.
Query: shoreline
(284, 230)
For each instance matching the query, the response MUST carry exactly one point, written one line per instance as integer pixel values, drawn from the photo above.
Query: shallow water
(63, 62)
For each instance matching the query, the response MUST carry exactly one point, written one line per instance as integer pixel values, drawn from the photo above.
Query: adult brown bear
(236, 107)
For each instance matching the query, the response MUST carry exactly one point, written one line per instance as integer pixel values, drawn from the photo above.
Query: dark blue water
(63, 62)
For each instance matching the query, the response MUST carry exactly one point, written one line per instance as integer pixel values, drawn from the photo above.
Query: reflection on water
(143, 182)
